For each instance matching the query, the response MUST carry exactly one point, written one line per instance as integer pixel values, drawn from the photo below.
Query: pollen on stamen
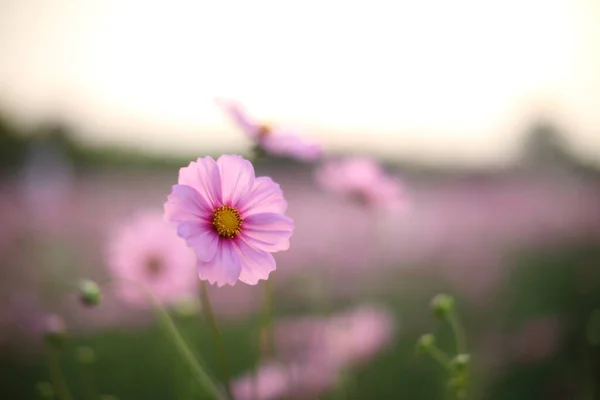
(227, 221)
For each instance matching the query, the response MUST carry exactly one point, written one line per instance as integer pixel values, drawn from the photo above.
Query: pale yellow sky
(440, 81)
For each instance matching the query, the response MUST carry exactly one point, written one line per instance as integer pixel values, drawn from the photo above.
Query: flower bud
(89, 292)
(442, 305)
(425, 342)
(55, 331)
(86, 355)
(461, 362)
(44, 390)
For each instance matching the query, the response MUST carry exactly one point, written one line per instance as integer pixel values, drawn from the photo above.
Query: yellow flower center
(227, 221)
(263, 131)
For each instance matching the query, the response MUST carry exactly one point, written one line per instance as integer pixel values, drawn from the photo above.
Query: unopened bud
(461, 362)
(89, 292)
(442, 305)
(86, 355)
(425, 342)
(55, 330)
(44, 390)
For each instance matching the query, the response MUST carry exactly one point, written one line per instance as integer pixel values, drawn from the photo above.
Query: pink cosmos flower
(274, 141)
(275, 380)
(232, 219)
(363, 180)
(345, 339)
(147, 251)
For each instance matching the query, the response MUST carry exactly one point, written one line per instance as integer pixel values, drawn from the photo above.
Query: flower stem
(199, 374)
(459, 333)
(267, 334)
(187, 355)
(441, 357)
(265, 340)
(212, 321)
(56, 376)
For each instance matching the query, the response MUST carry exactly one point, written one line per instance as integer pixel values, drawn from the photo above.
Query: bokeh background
(486, 110)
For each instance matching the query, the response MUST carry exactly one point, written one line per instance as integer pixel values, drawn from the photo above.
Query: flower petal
(237, 178)
(203, 175)
(291, 145)
(266, 197)
(201, 237)
(224, 268)
(256, 264)
(237, 113)
(268, 231)
(185, 204)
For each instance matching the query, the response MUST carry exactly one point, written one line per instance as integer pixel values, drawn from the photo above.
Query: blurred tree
(12, 146)
(57, 135)
(544, 146)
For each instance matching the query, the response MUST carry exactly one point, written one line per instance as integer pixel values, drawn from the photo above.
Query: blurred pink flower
(231, 219)
(54, 324)
(147, 251)
(345, 339)
(275, 380)
(296, 337)
(358, 335)
(275, 141)
(363, 180)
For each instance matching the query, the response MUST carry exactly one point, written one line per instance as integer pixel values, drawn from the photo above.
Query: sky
(434, 81)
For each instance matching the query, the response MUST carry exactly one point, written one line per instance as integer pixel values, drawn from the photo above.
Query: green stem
(200, 375)
(441, 357)
(264, 340)
(212, 321)
(459, 333)
(187, 355)
(56, 376)
(267, 333)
